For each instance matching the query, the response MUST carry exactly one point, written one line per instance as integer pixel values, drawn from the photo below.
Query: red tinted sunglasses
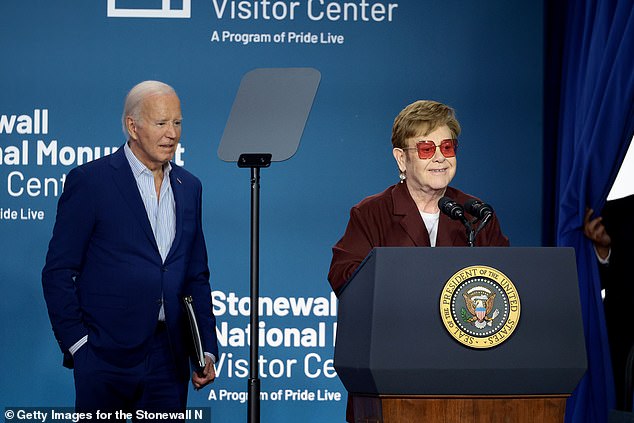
(427, 149)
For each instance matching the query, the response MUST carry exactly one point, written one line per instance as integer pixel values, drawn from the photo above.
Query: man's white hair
(136, 96)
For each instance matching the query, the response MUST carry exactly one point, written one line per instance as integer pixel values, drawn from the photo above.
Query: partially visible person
(127, 246)
(425, 142)
(612, 235)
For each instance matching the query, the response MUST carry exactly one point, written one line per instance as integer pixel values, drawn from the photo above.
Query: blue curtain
(595, 126)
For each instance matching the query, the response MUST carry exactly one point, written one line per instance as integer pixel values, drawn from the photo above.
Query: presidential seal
(480, 306)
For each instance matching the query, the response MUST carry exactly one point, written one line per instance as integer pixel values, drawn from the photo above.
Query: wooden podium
(393, 409)
(400, 363)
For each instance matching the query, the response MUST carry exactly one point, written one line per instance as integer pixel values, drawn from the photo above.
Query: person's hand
(595, 231)
(208, 375)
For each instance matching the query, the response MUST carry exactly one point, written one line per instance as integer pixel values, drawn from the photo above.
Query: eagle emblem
(479, 301)
(480, 307)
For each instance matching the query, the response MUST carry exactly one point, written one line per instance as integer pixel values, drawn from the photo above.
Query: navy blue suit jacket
(104, 276)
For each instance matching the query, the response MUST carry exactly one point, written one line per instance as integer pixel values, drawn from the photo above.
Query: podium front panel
(391, 338)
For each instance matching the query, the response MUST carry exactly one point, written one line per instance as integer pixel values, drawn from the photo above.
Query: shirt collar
(137, 167)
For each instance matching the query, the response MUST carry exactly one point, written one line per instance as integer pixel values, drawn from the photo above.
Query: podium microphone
(481, 211)
(456, 212)
(451, 209)
(478, 209)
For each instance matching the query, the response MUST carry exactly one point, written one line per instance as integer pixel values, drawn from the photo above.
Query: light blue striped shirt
(161, 212)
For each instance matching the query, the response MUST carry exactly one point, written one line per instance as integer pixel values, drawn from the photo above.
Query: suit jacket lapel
(446, 237)
(125, 182)
(411, 221)
(178, 190)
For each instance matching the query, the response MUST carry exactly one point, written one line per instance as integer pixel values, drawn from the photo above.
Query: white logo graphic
(164, 12)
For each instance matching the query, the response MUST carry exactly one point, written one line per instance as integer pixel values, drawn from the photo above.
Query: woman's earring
(402, 176)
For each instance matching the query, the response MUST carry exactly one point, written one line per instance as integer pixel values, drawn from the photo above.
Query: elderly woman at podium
(421, 210)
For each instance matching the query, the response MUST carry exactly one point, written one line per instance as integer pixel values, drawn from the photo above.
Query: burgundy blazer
(392, 219)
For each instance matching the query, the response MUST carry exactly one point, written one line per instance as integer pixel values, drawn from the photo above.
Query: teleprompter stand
(266, 124)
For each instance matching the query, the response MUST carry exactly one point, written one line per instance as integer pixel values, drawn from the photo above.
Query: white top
(431, 223)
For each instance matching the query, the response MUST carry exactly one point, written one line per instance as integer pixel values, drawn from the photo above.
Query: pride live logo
(182, 9)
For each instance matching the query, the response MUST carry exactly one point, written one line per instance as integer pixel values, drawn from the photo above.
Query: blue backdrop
(66, 69)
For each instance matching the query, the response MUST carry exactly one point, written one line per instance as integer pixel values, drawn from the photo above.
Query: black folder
(197, 350)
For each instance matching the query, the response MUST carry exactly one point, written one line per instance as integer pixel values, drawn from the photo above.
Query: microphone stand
(482, 224)
(471, 235)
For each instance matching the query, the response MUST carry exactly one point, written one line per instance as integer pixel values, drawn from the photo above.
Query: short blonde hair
(422, 117)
